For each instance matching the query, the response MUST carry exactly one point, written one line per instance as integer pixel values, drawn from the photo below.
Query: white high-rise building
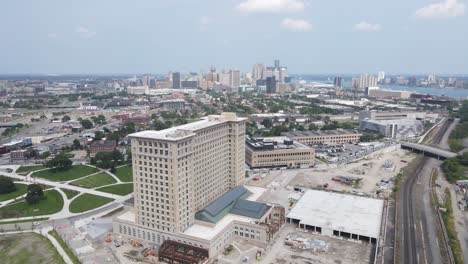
(283, 73)
(380, 76)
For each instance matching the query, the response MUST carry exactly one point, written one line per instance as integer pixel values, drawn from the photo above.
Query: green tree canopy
(34, 194)
(6, 185)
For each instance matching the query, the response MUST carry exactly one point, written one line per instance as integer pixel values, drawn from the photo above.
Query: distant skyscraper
(431, 79)
(257, 72)
(176, 80)
(212, 75)
(234, 79)
(224, 78)
(283, 73)
(277, 64)
(145, 80)
(271, 84)
(337, 82)
(380, 76)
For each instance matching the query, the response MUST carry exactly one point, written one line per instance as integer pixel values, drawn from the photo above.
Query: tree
(86, 123)
(76, 144)
(35, 194)
(65, 118)
(44, 155)
(313, 127)
(59, 163)
(106, 160)
(6, 185)
(98, 135)
(267, 123)
(101, 119)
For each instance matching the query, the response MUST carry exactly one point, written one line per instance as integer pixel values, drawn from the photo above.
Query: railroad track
(415, 244)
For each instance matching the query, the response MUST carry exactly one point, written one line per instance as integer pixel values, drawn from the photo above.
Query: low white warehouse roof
(346, 213)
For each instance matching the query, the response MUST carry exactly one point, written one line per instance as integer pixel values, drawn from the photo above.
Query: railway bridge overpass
(429, 151)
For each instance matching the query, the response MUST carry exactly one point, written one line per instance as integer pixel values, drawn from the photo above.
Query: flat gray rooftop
(318, 133)
(336, 211)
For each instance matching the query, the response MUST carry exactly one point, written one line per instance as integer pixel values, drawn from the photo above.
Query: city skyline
(184, 36)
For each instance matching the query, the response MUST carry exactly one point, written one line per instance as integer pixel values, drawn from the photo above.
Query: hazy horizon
(310, 37)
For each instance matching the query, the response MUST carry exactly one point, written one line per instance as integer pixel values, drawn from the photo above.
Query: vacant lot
(20, 190)
(52, 204)
(124, 173)
(119, 189)
(75, 172)
(27, 248)
(94, 181)
(86, 202)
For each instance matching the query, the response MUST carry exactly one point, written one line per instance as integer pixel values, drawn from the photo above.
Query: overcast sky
(308, 36)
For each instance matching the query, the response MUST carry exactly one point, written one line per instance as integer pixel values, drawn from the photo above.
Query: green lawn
(119, 189)
(65, 247)
(86, 202)
(27, 169)
(94, 181)
(124, 173)
(51, 205)
(77, 171)
(70, 193)
(20, 190)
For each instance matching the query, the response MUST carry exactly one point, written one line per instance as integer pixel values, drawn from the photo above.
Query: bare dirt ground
(371, 173)
(339, 251)
(27, 248)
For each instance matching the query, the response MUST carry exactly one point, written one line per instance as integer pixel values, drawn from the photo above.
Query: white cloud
(296, 25)
(204, 23)
(271, 6)
(364, 26)
(447, 8)
(52, 35)
(85, 32)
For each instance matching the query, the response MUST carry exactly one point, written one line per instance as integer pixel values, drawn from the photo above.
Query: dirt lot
(27, 248)
(339, 251)
(371, 173)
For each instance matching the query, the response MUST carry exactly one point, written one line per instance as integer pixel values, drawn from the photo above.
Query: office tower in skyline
(257, 71)
(337, 82)
(277, 64)
(271, 85)
(176, 80)
(234, 79)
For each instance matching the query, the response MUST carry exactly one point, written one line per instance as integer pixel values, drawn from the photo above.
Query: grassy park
(52, 204)
(20, 190)
(119, 189)
(124, 173)
(94, 181)
(86, 202)
(27, 169)
(77, 171)
(70, 193)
